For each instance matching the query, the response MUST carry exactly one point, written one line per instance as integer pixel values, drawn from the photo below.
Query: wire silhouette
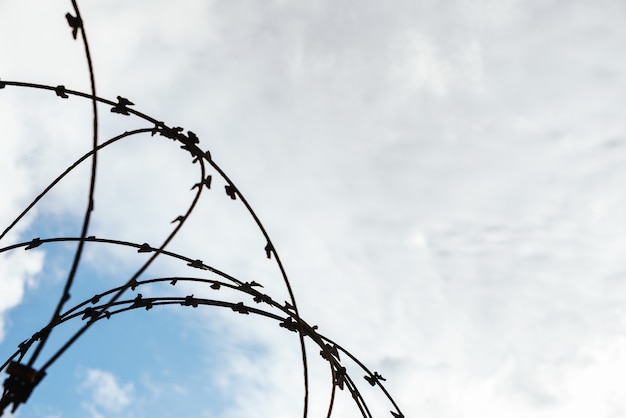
(22, 375)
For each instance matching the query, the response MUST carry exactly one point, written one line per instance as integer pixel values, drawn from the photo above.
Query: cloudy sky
(442, 180)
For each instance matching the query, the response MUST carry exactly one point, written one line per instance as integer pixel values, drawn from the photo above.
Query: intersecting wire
(161, 251)
(330, 350)
(201, 157)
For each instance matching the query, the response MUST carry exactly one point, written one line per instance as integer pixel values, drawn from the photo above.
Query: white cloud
(108, 395)
(17, 271)
(427, 70)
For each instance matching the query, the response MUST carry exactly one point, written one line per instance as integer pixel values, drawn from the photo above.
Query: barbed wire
(22, 375)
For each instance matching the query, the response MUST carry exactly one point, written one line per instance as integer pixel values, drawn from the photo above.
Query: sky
(443, 182)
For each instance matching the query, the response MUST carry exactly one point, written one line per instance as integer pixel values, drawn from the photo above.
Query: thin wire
(65, 173)
(272, 249)
(189, 260)
(92, 186)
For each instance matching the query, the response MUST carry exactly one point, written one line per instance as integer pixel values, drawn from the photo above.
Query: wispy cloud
(108, 395)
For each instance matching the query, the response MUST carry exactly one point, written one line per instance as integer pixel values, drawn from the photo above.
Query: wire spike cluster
(23, 377)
